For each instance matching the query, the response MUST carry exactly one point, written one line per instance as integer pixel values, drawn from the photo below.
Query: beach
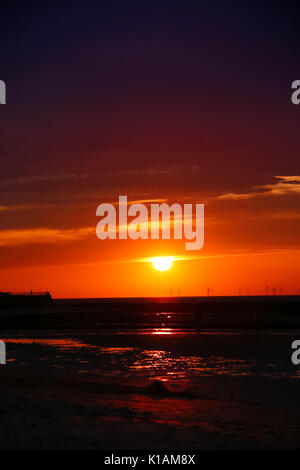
(149, 389)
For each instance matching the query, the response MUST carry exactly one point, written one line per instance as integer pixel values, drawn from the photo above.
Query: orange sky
(250, 241)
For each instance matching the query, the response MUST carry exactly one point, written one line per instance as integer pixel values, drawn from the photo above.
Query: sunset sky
(178, 102)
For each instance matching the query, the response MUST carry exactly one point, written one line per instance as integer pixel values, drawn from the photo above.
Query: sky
(185, 102)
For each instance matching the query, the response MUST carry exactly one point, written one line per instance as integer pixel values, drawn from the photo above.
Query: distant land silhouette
(24, 299)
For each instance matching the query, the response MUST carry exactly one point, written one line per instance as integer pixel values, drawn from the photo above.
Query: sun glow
(162, 264)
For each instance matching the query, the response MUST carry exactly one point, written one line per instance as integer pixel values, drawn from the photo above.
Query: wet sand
(93, 389)
(55, 410)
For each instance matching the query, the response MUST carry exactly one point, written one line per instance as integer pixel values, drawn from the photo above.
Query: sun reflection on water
(163, 331)
(154, 358)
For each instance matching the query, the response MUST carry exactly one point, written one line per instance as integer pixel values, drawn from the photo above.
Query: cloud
(282, 186)
(23, 180)
(21, 207)
(42, 235)
(145, 201)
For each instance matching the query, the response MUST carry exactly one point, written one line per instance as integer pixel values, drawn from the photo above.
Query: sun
(163, 263)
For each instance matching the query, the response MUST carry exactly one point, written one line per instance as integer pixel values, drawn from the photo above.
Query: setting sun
(162, 264)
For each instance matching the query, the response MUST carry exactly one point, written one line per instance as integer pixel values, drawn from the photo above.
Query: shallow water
(171, 355)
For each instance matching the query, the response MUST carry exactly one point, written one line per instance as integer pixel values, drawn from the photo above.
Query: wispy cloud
(145, 201)
(47, 178)
(21, 207)
(43, 235)
(282, 186)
